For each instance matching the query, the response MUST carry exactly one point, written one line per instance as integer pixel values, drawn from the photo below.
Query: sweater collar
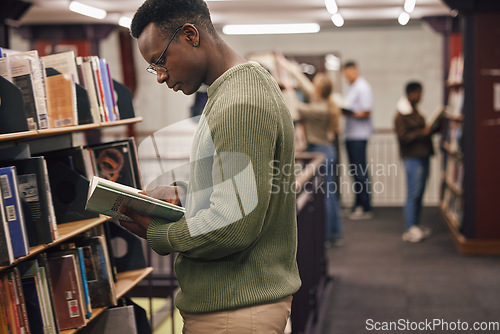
(404, 106)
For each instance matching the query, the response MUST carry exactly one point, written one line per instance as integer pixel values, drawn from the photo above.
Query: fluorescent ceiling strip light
(403, 18)
(338, 20)
(409, 5)
(125, 21)
(83, 9)
(331, 6)
(259, 29)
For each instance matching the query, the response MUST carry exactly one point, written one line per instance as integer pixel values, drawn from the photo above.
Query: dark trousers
(356, 151)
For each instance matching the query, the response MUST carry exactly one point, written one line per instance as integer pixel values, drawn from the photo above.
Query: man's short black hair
(413, 86)
(171, 14)
(349, 63)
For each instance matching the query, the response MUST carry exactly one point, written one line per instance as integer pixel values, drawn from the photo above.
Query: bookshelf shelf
(65, 231)
(67, 129)
(125, 282)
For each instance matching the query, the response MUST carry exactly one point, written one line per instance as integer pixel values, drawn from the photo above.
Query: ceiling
(223, 12)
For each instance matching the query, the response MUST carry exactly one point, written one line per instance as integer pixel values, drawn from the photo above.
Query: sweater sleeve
(248, 130)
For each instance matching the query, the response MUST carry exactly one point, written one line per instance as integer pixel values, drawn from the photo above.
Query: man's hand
(140, 224)
(170, 194)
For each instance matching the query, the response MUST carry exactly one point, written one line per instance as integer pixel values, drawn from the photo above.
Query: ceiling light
(338, 20)
(331, 6)
(403, 18)
(258, 29)
(83, 9)
(125, 21)
(409, 5)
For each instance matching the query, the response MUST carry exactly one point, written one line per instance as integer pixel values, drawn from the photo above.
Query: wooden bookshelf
(476, 231)
(66, 129)
(125, 282)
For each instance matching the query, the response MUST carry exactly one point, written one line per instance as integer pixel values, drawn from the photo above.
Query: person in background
(320, 118)
(415, 144)
(237, 242)
(357, 109)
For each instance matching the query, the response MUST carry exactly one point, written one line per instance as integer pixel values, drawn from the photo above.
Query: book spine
(22, 302)
(9, 284)
(85, 285)
(15, 217)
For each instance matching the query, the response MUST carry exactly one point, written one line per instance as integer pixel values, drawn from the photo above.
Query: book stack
(59, 90)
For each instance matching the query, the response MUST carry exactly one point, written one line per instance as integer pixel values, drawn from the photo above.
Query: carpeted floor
(376, 279)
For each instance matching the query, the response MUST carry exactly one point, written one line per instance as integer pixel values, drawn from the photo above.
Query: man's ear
(191, 34)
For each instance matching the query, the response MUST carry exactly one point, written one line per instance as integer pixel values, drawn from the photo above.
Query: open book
(435, 120)
(106, 197)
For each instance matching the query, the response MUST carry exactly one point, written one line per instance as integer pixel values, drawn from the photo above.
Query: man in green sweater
(237, 242)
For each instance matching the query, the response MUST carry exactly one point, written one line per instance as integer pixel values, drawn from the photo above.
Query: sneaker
(359, 214)
(414, 234)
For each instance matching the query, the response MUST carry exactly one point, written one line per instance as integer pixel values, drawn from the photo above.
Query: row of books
(453, 205)
(40, 192)
(58, 289)
(455, 103)
(455, 76)
(51, 87)
(452, 136)
(454, 173)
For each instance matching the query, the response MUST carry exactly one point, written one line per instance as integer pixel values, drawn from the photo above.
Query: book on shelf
(61, 100)
(38, 83)
(33, 272)
(36, 199)
(87, 80)
(116, 161)
(455, 75)
(16, 277)
(98, 270)
(64, 63)
(106, 197)
(22, 78)
(68, 291)
(6, 252)
(5, 68)
(14, 212)
(12, 316)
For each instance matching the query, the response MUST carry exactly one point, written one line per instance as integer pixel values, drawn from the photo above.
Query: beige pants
(260, 319)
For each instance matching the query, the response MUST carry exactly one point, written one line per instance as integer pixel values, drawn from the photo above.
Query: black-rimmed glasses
(154, 68)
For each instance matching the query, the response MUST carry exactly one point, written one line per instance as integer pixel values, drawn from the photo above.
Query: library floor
(377, 276)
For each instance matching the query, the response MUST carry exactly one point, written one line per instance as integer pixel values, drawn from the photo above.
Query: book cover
(33, 304)
(14, 212)
(12, 109)
(7, 312)
(22, 78)
(63, 62)
(36, 196)
(38, 82)
(5, 68)
(4, 327)
(106, 197)
(6, 253)
(61, 101)
(113, 161)
(68, 293)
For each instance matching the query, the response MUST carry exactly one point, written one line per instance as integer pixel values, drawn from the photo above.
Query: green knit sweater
(238, 239)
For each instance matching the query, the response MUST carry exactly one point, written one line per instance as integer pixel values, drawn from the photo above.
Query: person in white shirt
(358, 129)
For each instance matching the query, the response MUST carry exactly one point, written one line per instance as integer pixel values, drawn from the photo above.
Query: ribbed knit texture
(251, 260)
